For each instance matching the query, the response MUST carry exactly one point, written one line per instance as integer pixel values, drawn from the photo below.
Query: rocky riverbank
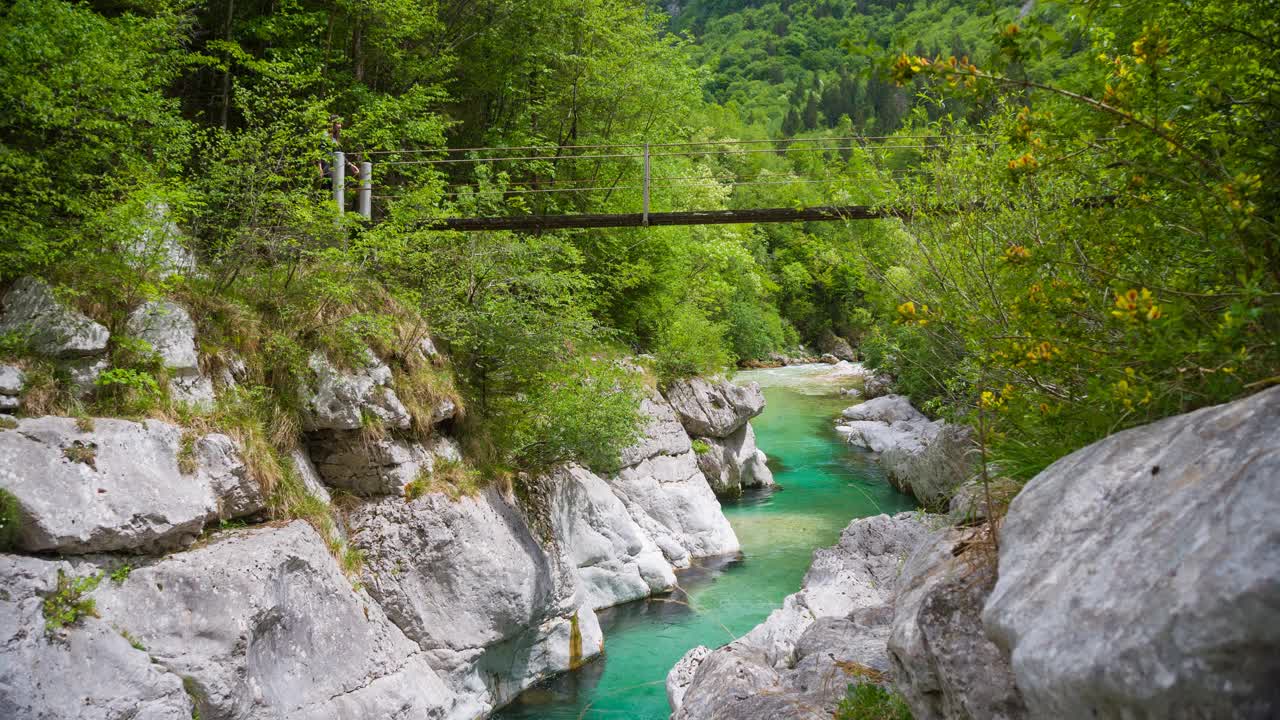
(1137, 577)
(144, 577)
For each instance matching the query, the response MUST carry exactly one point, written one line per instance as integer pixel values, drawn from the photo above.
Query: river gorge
(823, 483)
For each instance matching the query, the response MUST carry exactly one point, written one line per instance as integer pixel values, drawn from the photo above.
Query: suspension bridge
(557, 187)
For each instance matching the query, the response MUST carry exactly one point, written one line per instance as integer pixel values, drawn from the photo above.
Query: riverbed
(824, 484)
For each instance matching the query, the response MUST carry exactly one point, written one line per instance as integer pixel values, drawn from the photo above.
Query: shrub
(701, 447)
(10, 520)
(867, 701)
(67, 604)
(691, 345)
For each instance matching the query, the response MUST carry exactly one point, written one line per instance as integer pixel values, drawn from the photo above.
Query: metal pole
(339, 179)
(365, 200)
(645, 212)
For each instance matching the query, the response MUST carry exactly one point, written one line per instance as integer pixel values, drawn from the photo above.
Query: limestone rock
(168, 328)
(837, 346)
(943, 663)
(669, 498)
(369, 467)
(733, 463)
(493, 607)
(1140, 576)
(84, 373)
(118, 486)
(351, 399)
(615, 560)
(85, 672)
(969, 501)
(886, 409)
(307, 473)
(51, 327)
(262, 623)
(12, 380)
(714, 409)
(928, 459)
(832, 632)
(877, 385)
(945, 458)
(829, 359)
(682, 672)
(662, 435)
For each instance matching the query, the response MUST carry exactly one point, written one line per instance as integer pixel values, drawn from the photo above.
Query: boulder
(834, 345)
(309, 476)
(50, 326)
(1140, 576)
(494, 607)
(662, 435)
(932, 469)
(614, 559)
(968, 502)
(12, 380)
(876, 385)
(89, 671)
(83, 373)
(943, 663)
(733, 463)
(373, 466)
(168, 328)
(714, 409)
(681, 674)
(119, 486)
(925, 458)
(829, 359)
(262, 623)
(670, 499)
(798, 662)
(351, 399)
(886, 409)
(666, 494)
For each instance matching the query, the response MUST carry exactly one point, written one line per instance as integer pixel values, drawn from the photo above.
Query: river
(825, 484)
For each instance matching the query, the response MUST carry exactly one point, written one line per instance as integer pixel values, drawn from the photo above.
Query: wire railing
(557, 171)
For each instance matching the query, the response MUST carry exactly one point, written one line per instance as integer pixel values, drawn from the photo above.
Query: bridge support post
(339, 172)
(645, 212)
(364, 202)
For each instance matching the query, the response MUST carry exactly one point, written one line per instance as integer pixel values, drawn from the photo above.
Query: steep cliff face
(159, 571)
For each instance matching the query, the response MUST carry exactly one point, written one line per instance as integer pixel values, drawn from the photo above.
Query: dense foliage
(1105, 252)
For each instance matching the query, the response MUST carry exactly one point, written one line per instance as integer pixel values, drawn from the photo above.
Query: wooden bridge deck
(695, 217)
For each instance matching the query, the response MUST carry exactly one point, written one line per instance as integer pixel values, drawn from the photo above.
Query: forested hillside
(1106, 251)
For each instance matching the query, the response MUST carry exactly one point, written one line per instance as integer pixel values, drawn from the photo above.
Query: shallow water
(825, 485)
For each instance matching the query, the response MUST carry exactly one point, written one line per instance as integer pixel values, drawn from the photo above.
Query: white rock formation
(118, 486)
(943, 663)
(734, 462)
(1140, 576)
(51, 328)
(12, 380)
(797, 663)
(263, 624)
(86, 672)
(928, 459)
(168, 328)
(351, 399)
(494, 607)
(714, 409)
(615, 560)
(667, 495)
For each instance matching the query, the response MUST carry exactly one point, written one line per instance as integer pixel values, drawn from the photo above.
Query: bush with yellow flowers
(1117, 255)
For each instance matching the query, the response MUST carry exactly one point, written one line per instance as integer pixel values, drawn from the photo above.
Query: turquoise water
(825, 485)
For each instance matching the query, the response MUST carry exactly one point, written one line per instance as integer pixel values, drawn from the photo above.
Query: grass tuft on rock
(868, 701)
